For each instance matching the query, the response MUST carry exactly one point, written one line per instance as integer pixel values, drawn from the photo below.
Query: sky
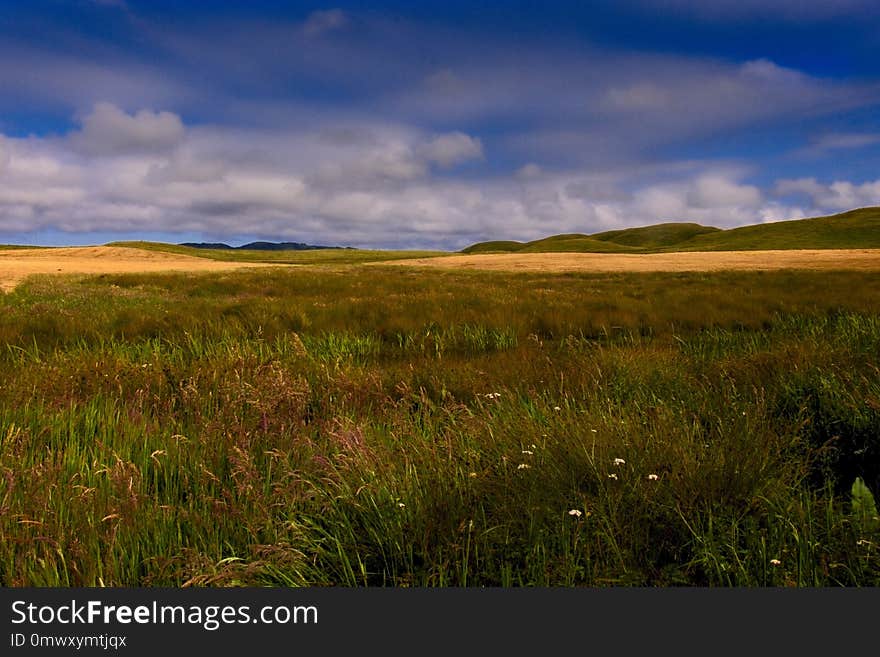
(430, 124)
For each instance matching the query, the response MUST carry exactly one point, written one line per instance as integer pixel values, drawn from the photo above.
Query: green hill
(856, 229)
(497, 246)
(555, 243)
(657, 236)
(581, 243)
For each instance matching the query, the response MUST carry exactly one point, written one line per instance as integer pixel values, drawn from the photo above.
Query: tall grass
(357, 426)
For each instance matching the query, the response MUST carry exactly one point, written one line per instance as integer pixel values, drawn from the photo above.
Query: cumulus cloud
(4, 154)
(530, 170)
(836, 196)
(453, 148)
(639, 96)
(713, 191)
(355, 184)
(107, 130)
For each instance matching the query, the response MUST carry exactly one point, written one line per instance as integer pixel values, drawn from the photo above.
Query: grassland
(856, 229)
(379, 426)
(305, 257)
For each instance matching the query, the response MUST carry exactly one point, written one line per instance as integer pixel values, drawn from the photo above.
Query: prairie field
(379, 425)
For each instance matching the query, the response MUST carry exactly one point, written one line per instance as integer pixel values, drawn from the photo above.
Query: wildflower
(557, 408)
(775, 562)
(528, 451)
(493, 395)
(612, 476)
(401, 505)
(523, 466)
(619, 462)
(594, 431)
(653, 477)
(576, 513)
(472, 475)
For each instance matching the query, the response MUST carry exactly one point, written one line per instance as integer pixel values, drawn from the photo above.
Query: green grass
(574, 243)
(660, 235)
(311, 256)
(497, 246)
(857, 229)
(380, 426)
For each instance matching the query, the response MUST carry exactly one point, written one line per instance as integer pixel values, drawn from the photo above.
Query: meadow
(383, 426)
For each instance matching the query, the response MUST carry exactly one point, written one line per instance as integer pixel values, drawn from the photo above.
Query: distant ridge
(856, 229)
(260, 246)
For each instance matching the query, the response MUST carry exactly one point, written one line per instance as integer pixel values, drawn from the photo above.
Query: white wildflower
(612, 476)
(557, 408)
(619, 462)
(528, 451)
(775, 562)
(523, 466)
(576, 513)
(653, 477)
(401, 505)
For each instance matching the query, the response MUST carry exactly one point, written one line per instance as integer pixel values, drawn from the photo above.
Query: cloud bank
(358, 184)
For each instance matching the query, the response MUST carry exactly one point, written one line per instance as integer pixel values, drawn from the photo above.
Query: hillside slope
(856, 229)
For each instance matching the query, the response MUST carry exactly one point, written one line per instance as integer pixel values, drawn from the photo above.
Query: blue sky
(404, 124)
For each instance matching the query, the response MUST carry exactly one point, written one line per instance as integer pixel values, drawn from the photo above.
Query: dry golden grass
(852, 259)
(16, 265)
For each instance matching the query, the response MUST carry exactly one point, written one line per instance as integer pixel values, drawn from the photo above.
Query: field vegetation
(373, 426)
(291, 257)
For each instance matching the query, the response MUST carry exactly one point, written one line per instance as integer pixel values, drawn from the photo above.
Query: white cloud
(452, 148)
(358, 184)
(807, 186)
(717, 191)
(107, 130)
(836, 196)
(4, 154)
(638, 97)
(530, 170)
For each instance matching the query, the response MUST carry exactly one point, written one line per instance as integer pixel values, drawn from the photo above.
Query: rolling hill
(280, 256)
(260, 246)
(856, 229)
